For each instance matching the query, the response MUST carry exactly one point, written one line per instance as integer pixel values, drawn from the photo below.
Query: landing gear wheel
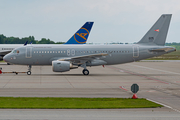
(85, 72)
(28, 72)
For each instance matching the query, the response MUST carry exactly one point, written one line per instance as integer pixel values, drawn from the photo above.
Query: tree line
(30, 39)
(171, 44)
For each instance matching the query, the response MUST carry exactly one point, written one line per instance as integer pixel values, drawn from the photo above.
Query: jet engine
(60, 66)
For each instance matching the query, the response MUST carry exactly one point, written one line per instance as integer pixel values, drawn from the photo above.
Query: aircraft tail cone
(134, 96)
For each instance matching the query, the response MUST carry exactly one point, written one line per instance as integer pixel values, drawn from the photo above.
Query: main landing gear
(29, 70)
(85, 72)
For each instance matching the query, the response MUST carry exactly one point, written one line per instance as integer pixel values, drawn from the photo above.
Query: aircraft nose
(6, 58)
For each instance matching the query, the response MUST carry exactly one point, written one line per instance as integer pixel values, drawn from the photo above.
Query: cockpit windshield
(15, 51)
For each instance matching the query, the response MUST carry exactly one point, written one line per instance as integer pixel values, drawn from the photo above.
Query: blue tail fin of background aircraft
(81, 36)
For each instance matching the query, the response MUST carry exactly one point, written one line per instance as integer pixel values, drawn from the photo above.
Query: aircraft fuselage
(117, 54)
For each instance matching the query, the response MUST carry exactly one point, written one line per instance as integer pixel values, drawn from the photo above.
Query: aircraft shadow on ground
(97, 75)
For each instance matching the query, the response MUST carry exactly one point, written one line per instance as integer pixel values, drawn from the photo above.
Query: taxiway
(158, 81)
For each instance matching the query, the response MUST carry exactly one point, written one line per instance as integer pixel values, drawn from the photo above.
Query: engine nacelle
(60, 66)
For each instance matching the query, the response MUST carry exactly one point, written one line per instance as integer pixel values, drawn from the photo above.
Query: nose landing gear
(29, 70)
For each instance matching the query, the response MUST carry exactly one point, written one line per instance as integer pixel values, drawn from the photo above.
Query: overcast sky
(114, 20)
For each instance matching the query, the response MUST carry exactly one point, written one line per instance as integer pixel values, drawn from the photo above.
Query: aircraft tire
(28, 72)
(85, 72)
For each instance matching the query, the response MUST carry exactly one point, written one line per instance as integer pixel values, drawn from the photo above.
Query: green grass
(74, 103)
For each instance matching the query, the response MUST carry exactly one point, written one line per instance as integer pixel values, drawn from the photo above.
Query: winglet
(25, 43)
(81, 36)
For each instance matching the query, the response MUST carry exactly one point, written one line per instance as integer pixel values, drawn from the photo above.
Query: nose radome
(5, 58)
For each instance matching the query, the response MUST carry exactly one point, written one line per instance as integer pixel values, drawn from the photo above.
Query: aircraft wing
(84, 58)
(4, 52)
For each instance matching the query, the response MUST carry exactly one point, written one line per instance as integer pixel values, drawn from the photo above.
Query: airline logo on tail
(82, 35)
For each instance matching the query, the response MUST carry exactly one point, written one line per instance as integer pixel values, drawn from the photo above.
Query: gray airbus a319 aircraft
(66, 57)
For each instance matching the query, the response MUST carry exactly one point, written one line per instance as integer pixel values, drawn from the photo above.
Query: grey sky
(115, 20)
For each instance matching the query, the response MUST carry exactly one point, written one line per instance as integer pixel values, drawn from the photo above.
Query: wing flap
(84, 58)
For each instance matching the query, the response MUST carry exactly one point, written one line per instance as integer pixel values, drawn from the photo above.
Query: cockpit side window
(15, 51)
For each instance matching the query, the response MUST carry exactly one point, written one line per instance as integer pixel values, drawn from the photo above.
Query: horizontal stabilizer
(162, 50)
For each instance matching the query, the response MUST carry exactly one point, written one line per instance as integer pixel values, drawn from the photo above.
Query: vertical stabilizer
(81, 36)
(158, 32)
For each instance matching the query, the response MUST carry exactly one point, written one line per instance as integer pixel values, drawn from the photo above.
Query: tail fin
(158, 32)
(81, 36)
